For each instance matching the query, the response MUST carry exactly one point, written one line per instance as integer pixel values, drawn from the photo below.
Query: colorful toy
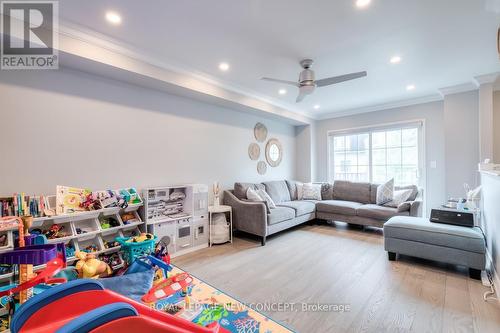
(113, 259)
(111, 244)
(91, 268)
(168, 287)
(108, 222)
(53, 255)
(85, 306)
(129, 217)
(141, 238)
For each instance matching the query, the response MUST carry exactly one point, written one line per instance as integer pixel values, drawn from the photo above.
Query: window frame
(419, 123)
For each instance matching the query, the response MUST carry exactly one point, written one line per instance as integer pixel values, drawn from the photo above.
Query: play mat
(208, 304)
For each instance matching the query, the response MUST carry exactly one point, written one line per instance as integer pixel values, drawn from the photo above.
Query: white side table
(219, 209)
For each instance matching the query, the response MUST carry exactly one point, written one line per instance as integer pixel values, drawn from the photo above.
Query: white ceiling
(442, 43)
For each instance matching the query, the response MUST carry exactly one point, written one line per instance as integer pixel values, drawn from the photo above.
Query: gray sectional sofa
(342, 201)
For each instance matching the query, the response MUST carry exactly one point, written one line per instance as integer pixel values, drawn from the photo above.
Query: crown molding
(381, 107)
(486, 79)
(459, 88)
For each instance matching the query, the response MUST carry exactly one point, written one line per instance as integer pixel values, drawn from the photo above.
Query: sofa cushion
(292, 188)
(338, 207)
(280, 214)
(350, 191)
(277, 190)
(373, 192)
(379, 212)
(300, 207)
(240, 189)
(311, 191)
(421, 230)
(385, 192)
(326, 191)
(414, 191)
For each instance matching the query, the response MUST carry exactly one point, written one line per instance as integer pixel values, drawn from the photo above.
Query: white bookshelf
(89, 222)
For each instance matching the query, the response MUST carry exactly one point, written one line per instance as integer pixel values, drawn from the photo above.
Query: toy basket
(133, 250)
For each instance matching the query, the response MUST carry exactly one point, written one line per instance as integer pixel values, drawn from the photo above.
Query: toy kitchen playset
(179, 212)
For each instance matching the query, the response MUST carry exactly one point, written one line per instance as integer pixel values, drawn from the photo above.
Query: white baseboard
(494, 273)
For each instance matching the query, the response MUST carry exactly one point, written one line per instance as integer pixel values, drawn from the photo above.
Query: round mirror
(274, 152)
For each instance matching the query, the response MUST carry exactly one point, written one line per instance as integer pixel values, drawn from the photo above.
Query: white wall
(434, 138)
(496, 127)
(461, 127)
(68, 127)
(490, 217)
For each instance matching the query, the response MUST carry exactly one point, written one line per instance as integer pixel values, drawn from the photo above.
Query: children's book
(70, 199)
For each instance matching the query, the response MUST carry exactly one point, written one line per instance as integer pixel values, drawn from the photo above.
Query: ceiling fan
(307, 82)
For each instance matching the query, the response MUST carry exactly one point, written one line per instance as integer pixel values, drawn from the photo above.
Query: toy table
(208, 304)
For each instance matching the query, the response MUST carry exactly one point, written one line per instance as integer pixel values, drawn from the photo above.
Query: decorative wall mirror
(274, 152)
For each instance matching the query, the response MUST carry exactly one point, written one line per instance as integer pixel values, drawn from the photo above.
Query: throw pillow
(404, 207)
(252, 195)
(326, 191)
(311, 191)
(399, 197)
(300, 191)
(265, 197)
(385, 192)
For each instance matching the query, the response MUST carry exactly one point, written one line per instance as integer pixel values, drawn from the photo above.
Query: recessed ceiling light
(395, 59)
(113, 18)
(362, 3)
(282, 91)
(224, 66)
(410, 87)
(316, 107)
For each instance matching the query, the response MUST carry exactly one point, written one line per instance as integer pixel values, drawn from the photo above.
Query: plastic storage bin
(132, 250)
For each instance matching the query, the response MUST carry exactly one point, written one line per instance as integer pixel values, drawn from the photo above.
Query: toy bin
(109, 223)
(6, 240)
(86, 227)
(130, 218)
(91, 245)
(71, 248)
(132, 250)
(108, 241)
(55, 232)
(133, 231)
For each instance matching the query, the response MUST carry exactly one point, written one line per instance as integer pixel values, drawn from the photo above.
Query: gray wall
(304, 153)
(71, 128)
(461, 127)
(434, 138)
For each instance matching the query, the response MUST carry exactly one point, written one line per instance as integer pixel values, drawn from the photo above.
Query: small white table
(219, 209)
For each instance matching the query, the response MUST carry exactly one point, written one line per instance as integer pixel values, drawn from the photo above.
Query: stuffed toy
(89, 267)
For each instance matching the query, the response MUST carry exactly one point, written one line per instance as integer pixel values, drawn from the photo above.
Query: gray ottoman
(418, 237)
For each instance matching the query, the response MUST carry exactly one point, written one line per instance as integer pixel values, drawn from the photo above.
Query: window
(376, 155)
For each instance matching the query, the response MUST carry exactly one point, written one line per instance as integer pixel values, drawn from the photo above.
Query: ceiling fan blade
(300, 97)
(280, 81)
(338, 79)
(304, 91)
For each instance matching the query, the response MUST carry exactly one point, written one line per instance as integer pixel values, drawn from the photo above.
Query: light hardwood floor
(336, 264)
